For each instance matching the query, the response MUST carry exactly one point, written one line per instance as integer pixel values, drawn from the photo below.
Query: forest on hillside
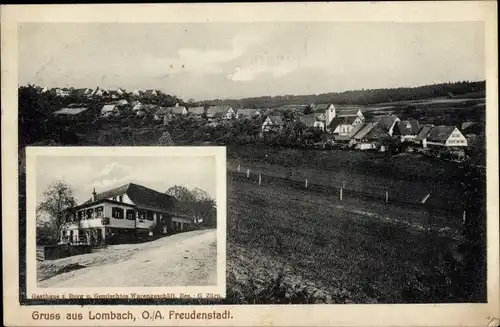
(363, 97)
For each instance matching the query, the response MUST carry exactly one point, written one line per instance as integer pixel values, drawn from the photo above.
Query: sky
(85, 173)
(233, 60)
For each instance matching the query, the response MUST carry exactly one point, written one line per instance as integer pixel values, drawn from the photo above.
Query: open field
(407, 177)
(354, 251)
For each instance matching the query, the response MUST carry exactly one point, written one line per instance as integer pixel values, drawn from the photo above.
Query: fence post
(306, 182)
(463, 218)
(238, 168)
(386, 197)
(341, 194)
(248, 173)
(259, 179)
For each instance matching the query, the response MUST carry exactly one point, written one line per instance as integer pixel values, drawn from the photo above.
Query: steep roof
(80, 92)
(308, 120)
(424, 131)
(70, 111)
(406, 127)
(440, 133)
(140, 195)
(386, 122)
(364, 130)
(197, 110)
(345, 120)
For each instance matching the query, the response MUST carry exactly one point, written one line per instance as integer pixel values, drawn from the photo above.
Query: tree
(57, 197)
(195, 202)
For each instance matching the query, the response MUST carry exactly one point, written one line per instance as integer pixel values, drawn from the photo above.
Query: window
(149, 215)
(130, 214)
(120, 198)
(117, 213)
(142, 215)
(90, 213)
(99, 211)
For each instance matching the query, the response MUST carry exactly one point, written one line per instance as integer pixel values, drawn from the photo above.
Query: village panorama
(369, 196)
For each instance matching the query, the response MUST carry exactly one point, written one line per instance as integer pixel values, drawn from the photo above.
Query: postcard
(284, 164)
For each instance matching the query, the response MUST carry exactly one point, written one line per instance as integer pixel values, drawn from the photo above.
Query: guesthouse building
(123, 214)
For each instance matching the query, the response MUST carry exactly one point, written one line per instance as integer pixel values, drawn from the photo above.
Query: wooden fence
(340, 192)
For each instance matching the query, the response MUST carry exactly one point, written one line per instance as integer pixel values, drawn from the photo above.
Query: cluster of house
(98, 92)
(123, 214)
(347, 126)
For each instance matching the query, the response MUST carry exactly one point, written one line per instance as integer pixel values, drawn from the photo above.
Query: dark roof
(407, 127)
(217, 109)
(440, 133)
(347, 120)
(363, 131)
(308, 120)
(424, 131)
(386, 122)
(140, 195)
(197, 110)
(321, 106)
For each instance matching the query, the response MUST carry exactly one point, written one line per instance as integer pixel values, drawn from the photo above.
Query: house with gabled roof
(196, 111)
(312, 121)
(84, 92)
(136, 93)
(322, 107)
(387, 123)
(247, 113)
(220, 112)
(124, 213)
(406, 130)
(273, 124)
(116, 93)
(150, 93)
(343, 125)
(368, 136)
(100, 92)
(445, 136)
(332, 112)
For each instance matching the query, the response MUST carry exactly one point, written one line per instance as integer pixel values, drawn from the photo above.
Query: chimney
(93, 195)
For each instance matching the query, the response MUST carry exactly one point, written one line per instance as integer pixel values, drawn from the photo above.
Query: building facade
(123, 214)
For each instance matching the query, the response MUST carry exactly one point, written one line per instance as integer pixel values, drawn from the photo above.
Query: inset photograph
(111, 218)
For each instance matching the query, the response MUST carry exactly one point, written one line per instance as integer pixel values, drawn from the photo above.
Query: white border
(318, 315)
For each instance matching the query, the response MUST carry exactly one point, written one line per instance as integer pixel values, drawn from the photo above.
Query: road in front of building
(185, 259)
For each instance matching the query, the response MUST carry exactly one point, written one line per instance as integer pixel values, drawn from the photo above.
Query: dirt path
(181, 260)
